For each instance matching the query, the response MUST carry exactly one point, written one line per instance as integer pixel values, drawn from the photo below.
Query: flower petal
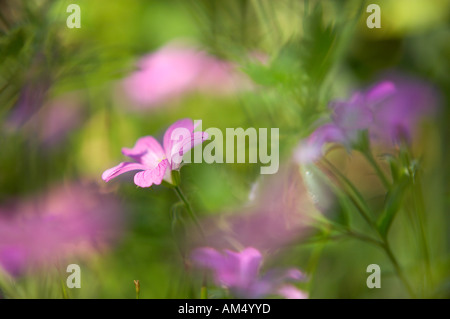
(182, 147)
(151, 176)
(169, 139)
(207, 257)
(120, 169)
(310, 149)
(291, 292)
(295, 274)
(353, 115)
(237, 270)
(248, 262)
(147, 151)
(380, 92)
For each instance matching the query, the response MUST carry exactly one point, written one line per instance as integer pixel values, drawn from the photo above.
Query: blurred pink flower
(399, 116)
(154, 162)
(177, 69)
(31, 98)
(37, 82)
(239, 272)
(60, 116)
(311, 149)
(55, 120)
(64, 222)
(291, 292)
(389, 111)
(277, 214)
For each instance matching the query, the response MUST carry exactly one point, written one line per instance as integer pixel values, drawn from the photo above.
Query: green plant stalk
(419, 209)
(204, 293)
(63, 289)
(365, 214)
(138, 288)
(314, 261)
(358, 201)
(189, 210)
(398, 269)
(420, 212)
(369, 156)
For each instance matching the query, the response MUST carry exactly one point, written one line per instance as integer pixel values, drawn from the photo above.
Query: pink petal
(151, 176)
(120, 169)
(295, 274)
(380, 91)
(310, 150)
(207, 257)
(291, 292)
(248, 261)
(147, 151)
(164, 75)
(168, 142)
(182, 147)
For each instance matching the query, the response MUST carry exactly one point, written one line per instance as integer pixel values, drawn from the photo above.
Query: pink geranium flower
(390, 111)
(178, 69)
(154, 162)
(239, 272)
(291, 292)
(67, 221)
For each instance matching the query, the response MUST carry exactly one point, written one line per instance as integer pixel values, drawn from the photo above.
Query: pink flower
(291, 292)
(239, 271)
(279, 212)
(389, 111)
(311, 149)
(177, 69)
(154, 162)
(399, 116)
(56, 119)
(65, 222)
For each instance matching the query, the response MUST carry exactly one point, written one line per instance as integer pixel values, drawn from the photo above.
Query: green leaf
(392, 205)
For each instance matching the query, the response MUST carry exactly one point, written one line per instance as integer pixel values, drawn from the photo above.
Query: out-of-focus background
(71, 98)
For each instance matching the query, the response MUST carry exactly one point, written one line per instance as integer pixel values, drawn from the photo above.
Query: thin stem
(189, 210)
(138, 288)
(314, 260)
(358, 201)
(365, 214)
(63, 289)
(204, 289)
(364, 237)
(368, 155)
(398, 269)
(420, 209)
(345, 230)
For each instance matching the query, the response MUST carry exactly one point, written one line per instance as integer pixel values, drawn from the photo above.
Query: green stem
(355, 197)
(314, 261)
(204, 289)
(364, 237)
(420, 209)
(368, 155)
(63, 289)
(365, 214)
(189, 210)
(398, 269)
(138, 288)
